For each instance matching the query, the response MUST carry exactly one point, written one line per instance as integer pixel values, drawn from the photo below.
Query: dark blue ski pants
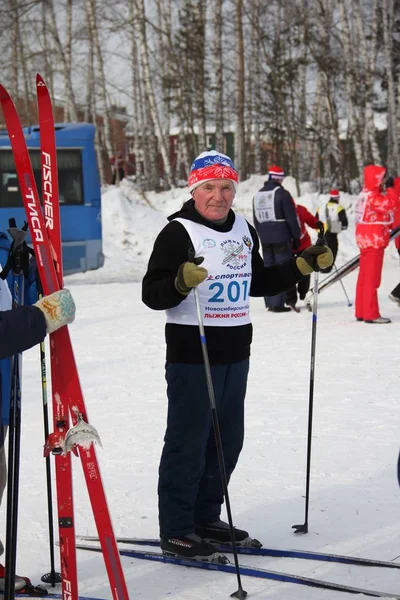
(276, 254)
(190, 489)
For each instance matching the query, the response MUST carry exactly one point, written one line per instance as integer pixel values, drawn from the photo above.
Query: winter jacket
(375, 210)
(20, 329)
(396, 212)
(280, 224)
(333, 216)
(225, 344)
(305, 218)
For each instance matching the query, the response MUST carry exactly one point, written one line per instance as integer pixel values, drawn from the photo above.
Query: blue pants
(276, 254)
(190, 489)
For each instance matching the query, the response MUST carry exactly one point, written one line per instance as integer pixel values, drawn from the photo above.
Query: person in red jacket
(395, 293)
(305, 218)
(374, 218)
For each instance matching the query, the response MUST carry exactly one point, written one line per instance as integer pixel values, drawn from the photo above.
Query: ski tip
(40, 81)
(4, 95)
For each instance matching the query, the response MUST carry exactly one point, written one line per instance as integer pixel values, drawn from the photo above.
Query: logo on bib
(209, 243)
(235, 255)
(247, 241)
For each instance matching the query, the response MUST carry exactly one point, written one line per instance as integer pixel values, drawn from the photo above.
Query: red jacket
(376, 216)
(396, 212)
(305, 218)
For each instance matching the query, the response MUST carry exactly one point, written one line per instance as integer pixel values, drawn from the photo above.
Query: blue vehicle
(79, 192)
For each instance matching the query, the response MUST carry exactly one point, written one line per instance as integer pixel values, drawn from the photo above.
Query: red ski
(69, 390)
(61, 422)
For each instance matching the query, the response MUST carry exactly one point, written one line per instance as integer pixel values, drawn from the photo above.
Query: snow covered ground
(119, 346)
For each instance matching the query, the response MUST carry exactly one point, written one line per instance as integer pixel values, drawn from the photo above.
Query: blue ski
(245, 571)
(50, 595)
(272, 552)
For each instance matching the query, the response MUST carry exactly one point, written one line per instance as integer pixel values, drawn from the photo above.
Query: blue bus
(79, 191)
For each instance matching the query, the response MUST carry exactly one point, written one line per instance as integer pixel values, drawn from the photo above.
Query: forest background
(313, 85)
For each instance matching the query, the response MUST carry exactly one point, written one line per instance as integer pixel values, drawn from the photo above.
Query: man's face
(214, 198)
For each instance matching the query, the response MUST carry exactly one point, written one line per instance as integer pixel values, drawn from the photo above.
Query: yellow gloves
(190, 275)
(314, 258)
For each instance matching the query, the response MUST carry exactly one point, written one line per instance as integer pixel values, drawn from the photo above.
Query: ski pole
(240, 593)
(304, 527)
(14, 439)
(53, 577)
(344, 289)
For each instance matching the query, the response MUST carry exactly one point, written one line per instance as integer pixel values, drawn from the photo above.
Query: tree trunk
(219, 79)
(240, 134)
(168, 176)
(92, 20)
(393, 147)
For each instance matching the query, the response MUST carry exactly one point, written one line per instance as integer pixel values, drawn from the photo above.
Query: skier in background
(334, 218)
(374, 218)
(276, 222)
(305, 218)
(395, 293)
(227, 248)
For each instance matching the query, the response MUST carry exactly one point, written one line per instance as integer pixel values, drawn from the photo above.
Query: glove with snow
(58, 309)
(315, 258)
(190, 275)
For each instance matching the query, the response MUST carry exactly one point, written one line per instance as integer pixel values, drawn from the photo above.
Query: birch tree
(144, 53)
(240, 134)
(219, 78)
(393, 146)
(91, 8)
(63, 58)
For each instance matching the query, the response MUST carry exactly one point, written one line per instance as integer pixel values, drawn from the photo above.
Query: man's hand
(190, 275)
(314, 258)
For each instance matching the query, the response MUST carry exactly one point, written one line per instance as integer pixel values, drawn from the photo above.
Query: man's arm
(290, 214)
(169, 252)
(20, 329)
(268, 281)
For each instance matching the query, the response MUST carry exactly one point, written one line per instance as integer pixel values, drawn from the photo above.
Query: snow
(119, 347)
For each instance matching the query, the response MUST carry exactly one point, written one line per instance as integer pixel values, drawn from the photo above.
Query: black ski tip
(241, 594)
(300, 528)
(51, 578)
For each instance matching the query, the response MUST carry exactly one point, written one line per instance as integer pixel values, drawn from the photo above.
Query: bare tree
(63, 57)
(219, 78)
(144, 53)
(240, 133)
(393, 146)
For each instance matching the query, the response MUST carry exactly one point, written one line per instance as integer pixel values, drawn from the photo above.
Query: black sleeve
(343, 219)
(290, 213)
(169, 252)
(20, 329)
(268, 281)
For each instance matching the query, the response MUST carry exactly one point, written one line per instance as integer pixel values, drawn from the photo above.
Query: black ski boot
(219, 533)
(193, 547)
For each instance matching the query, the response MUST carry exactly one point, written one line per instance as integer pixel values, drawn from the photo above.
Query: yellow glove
(190, 275)
(314, 258)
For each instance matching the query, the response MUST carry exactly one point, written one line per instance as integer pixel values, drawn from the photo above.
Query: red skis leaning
(67, 393)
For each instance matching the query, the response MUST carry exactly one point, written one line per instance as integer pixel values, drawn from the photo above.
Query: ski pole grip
(321, 237)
